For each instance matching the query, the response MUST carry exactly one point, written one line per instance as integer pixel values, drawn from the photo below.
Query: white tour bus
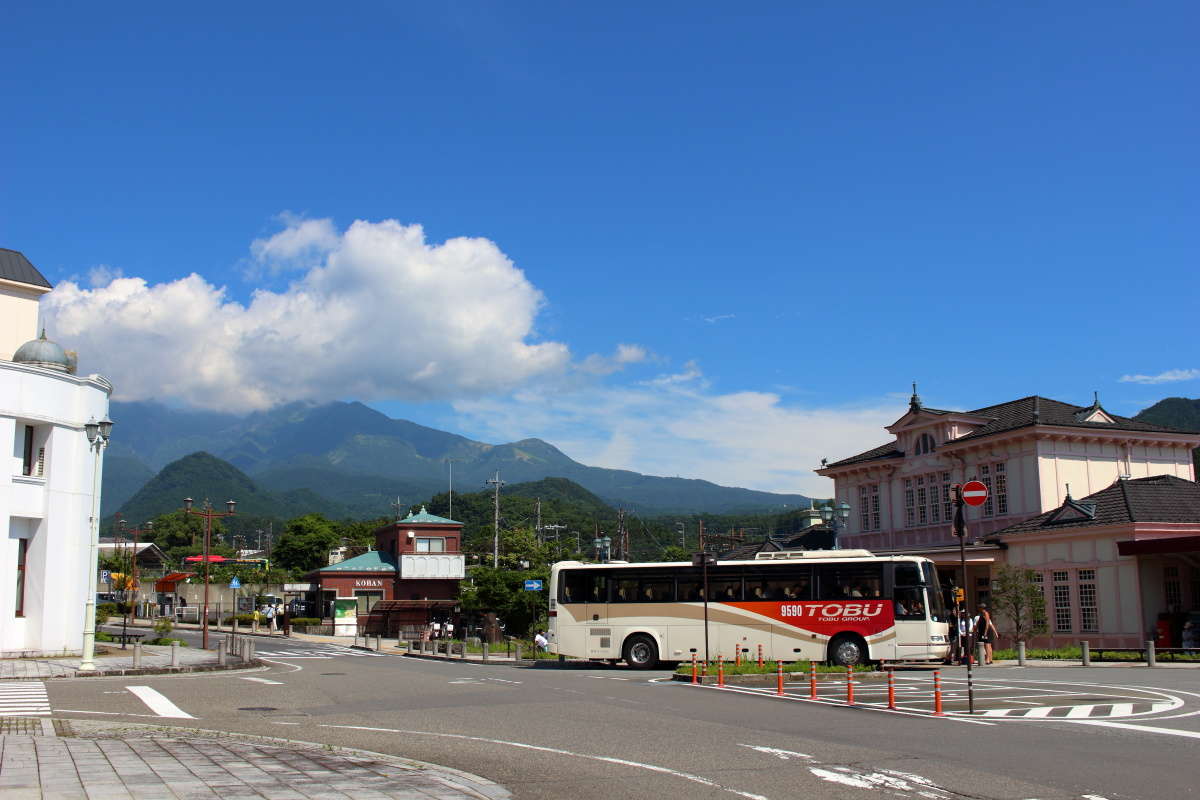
(843, 606)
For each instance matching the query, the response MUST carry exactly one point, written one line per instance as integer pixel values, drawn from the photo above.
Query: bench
(125, 638)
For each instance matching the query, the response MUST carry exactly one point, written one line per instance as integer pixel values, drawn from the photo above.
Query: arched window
(925, 444)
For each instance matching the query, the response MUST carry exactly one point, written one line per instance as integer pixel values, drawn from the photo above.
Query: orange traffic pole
(704, 670)
(720, 670)
(760, 661)
(812, 680)
(695, 674)
(779, 678)
(937, 694)
(892, 689)
(849, 686)
(737, 655)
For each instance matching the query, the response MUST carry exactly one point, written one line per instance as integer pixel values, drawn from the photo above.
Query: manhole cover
(258, 708)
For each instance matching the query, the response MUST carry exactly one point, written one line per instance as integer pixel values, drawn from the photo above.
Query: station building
(50, 489)
(1108, 581)
(409, 580)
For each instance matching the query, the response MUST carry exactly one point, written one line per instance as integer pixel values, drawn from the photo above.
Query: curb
(465, 781)
(769, 679)
(110, 673)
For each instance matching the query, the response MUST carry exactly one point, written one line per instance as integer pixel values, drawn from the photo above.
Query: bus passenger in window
(759, 594)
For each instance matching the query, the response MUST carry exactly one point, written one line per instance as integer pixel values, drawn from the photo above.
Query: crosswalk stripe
(998, 712)
(1038, 713)
(1080, 711)
(25, 699)
(1122, 710)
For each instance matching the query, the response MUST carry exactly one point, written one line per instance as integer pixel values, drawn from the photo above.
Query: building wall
(1073, 561)
(52, 510)
(18, 316)
(1037, 470)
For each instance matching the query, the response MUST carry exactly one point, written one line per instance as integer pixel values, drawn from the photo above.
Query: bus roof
(775, 557)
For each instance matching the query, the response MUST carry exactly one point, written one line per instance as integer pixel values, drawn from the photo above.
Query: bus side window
(908, 574)
(625, 590)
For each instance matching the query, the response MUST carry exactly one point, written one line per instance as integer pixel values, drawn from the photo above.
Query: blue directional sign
(105, 576)
(533, 586)
(236, 583)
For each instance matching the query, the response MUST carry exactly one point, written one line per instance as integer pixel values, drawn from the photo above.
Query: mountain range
(354, 461)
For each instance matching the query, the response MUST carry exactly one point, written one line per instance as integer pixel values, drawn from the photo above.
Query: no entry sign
(974, 493)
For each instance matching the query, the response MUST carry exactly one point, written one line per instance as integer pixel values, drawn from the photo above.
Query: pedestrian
(985, 632)
(269, 613)
(541, 642)
(1191, 637)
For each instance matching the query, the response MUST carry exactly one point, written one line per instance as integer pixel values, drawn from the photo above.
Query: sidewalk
(112, 660)
(82, 760)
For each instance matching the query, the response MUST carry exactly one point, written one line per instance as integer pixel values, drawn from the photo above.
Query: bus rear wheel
(640, 651)
(847, 650)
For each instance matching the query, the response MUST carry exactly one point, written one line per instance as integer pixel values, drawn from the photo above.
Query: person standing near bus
(985, 632)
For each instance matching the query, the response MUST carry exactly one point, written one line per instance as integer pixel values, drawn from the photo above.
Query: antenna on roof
(915, 401)
(1096, 399)
(1068, 492)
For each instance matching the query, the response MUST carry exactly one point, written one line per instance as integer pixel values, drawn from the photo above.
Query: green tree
(674, 552)
(179, 535)
(1019, 603)
(503, 591)
(305, 543)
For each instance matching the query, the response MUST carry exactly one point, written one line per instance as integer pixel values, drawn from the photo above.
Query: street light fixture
(836, 518)
(97, 435)
(603, 546)
(208, 514)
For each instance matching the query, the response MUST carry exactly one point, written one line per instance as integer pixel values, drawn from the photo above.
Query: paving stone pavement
(108, 659)
(79, 760)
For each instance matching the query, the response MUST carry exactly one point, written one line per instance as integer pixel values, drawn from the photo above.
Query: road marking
(1142, 728)
(606, 759)
(785, 755)
(1080, 711)
(158, 703)
(265, 680)
(24, 699)
(893, 781)
(106, 713)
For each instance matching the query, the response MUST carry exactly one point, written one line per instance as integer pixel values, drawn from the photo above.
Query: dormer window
(925, 444)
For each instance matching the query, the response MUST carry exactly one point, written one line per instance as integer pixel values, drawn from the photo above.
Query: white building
(51, 485)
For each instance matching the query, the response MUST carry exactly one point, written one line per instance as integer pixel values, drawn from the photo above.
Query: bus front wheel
(847, 650)
(640, 651)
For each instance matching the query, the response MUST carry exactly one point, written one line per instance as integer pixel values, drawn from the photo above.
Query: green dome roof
(41, 352)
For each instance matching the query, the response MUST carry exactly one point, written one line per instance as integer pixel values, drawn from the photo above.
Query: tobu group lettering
(831, 610)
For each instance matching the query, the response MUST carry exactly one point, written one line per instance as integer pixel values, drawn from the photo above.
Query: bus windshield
(937, 603)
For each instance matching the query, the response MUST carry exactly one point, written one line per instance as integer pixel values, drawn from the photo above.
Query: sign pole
(960, 530)
(973, 493)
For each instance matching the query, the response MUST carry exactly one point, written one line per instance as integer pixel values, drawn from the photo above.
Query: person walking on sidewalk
(270, 615)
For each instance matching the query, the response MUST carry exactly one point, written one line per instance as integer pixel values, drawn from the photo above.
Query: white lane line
(1142, 728)
(606, 759)
(264, 680)
(902, 711)
(106, 713)
(158, 703)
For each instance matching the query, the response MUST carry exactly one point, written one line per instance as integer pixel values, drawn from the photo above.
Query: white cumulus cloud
(375, 312)
(1170, 376)
(675, 425)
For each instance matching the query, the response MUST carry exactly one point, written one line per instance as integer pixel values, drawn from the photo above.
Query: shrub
(305, 621)
(101, 636)
(243, 619)
(104, 611)
(165, 640)
(163, 626)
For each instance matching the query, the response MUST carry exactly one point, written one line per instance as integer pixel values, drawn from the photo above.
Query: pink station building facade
(1104, 509)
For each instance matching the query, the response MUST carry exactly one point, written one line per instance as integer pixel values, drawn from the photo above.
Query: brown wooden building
(409, 580)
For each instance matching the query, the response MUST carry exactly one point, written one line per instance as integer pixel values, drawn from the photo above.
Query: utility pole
(682, 534)
(538, 529)
(497, 483)
(622, 535)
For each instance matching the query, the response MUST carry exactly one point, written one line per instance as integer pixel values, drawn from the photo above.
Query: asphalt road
(597, 732)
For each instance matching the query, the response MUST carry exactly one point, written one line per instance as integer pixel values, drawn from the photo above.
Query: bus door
(911, 601)
(597, 629)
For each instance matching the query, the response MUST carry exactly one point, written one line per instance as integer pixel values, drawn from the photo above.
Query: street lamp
(836, 518)
(603, 546)
(97, 436)
(208, 514)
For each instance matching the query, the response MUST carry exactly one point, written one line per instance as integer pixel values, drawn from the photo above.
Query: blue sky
(680, 239)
